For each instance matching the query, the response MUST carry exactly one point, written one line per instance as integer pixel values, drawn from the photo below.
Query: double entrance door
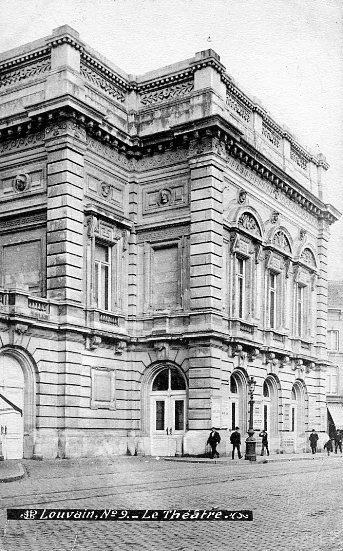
(168, 413)
(11, 408)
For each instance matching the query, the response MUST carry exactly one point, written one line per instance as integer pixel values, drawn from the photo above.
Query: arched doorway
(17, 403)
(168, 410)
(238, 395)
(271, 406)
(299, 413)
(11, 407)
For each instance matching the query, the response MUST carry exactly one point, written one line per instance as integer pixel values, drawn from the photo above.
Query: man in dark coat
(213, 441)
(313, 441)
(235, 440)
(338, 441)
(328, 446)
(264, 436)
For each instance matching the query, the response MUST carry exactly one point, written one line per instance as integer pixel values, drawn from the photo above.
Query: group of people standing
(235, 439)
(336, 441)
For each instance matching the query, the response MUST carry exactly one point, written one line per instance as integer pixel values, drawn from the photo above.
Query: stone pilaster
(322, 289)
(65, 219)
(204, 393)
(206, 241)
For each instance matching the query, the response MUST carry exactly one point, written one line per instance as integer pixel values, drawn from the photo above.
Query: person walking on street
(235, 440)
(313, 441)
(338, 441)
(264, 435)
(213, 441)
(328, 446)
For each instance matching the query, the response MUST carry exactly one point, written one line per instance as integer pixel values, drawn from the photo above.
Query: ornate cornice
(24, 58)
(244, 106)
(106, 83)
(55, 42)
(215, 133)
(107, 73)
(175, 90)
(33, 69)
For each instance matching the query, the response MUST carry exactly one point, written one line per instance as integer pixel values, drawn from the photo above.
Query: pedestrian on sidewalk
(313, 441)
(338, 441)
(235, 440)
(213, 440)
(264, 435)
(328, 446)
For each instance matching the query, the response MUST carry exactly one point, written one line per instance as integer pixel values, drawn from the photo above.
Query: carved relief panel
(162, 196)
(20, 182)
(105, 188)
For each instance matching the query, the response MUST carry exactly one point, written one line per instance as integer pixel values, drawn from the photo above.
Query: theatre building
(163, 241)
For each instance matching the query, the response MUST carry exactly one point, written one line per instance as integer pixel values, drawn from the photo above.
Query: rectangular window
(165, 278)
(333, 339)
(22, 266)
(160, 414)
(331, 382)
(300, 309)
(233, 415)
(265, 418)
(293, 419)
(179, 414)
(272, 300)
(241, 269)
(102, 276)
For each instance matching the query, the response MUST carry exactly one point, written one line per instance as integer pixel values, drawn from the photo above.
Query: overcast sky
(287, 53)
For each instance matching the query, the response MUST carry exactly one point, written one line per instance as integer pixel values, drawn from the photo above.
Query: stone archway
(239, 397)
(299, 414)
(164, 409)
(271, 405)
(18, 403)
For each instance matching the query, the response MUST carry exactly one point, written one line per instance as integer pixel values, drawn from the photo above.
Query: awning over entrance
(336, 412)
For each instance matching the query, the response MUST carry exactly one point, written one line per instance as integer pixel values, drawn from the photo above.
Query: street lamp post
(250, 443)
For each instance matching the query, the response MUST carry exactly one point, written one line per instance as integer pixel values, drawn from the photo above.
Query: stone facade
(163, 240)
(334, 376)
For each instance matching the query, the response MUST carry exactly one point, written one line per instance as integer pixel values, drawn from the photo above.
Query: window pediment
(281, 242)
(307, 257)
(247, 222)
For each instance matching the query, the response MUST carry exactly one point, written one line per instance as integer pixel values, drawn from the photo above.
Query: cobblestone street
(296, 505)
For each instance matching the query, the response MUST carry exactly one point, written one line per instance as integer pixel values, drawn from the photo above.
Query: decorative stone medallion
(274, 217)
(21, 182)
(242, 196)
(164, 197)
(105, 189)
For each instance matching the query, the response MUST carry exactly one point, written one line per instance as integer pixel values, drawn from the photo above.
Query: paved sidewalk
(259, 459)
(11, 471)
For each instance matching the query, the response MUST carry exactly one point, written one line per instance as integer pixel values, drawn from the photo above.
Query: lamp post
(250, 443)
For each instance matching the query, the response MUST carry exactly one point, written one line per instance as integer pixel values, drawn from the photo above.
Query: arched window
(168, 379)
(233, 386)
(298, 408)
(270, 405)
(238, 392)
(265, 390)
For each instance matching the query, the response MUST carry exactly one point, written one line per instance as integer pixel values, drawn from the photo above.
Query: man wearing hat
(213, 440)
(235, 440)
